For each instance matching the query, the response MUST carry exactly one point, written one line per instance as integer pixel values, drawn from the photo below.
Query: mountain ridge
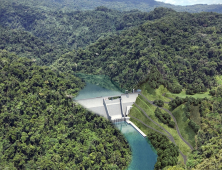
(122, 5)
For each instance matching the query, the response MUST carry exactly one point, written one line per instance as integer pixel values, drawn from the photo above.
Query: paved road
(170, 137)
(177, 128)
(167, 97)
(148, 126)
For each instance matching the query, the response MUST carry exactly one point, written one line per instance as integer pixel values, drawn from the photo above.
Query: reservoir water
(93, 91)
(143, 156)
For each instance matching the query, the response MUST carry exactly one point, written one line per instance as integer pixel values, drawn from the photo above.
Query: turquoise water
(144, 157)
(92, 91)
(100, 80)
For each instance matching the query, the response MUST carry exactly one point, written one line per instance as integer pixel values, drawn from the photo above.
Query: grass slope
(183, 95)
(153, 94)
(195, 114)
(139, 115)
(149, 109)
(182, 121)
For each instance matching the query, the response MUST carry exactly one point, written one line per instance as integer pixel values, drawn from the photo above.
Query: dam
(115, 106)
(110, 108)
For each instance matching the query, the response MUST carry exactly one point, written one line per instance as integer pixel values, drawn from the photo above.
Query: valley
(67, 72)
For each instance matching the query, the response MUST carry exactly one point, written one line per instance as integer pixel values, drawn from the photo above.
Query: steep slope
(182, 46)
(24, 44)
(41, 127)
(70, 29)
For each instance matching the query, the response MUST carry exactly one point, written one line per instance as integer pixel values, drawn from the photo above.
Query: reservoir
(93, 91)
(143, 155)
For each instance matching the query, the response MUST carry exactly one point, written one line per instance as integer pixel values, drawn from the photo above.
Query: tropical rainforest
(45, 45)
(41, 128)
(120, 5)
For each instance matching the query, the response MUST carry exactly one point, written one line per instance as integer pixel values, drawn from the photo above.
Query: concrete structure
(110, 109)
(95, 105)
(131, 123)
(115, 110)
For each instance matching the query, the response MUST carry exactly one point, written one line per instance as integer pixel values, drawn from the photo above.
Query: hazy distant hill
(70, 29)
(123, 5)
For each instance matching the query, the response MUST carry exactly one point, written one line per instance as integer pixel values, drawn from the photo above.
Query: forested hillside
(69, 30)
(121, 5)
(186, 48)
(207, 154)
(41, 127)
(24, 44)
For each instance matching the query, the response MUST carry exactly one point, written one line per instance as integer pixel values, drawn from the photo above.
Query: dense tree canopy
(185, 48)
(24, 44)
(41, 127)
(122, 5)
(208, 152)
(167, 152)
(70, 29)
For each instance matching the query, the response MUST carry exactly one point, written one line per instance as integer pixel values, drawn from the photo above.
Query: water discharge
(144, 156)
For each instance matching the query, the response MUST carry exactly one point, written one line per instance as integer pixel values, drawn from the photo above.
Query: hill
(41, 127)
(121, 5)
(178, 50)
(24, 44)
(186, 49)
(70, 30)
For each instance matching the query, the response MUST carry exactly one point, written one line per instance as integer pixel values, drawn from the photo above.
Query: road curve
(148, 126)
(177, 128)
(167, 97)
(170, 137)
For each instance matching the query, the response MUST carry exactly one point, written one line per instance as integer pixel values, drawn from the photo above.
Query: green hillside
(185, 48)
(24, 44)
(169, 55)
(41, 127)
(73, 29)
(121, 5)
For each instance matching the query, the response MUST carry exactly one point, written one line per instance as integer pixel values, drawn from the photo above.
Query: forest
(185, 48)
(41, 128)
(120, 5)
(207, 154)
(43, 49)
(72, 29)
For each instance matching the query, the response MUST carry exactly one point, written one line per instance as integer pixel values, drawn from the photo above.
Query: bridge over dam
(114, 108)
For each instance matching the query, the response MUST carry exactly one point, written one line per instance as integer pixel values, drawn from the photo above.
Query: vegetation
(161, 52)
(186, 131)
(41, 127)
(24, 44)
(175, 44)
(122, 5)
(190, 102)
(159, 103)
(184, 95)
(205, 156)
(208, 152)
(150, 110)
(167, 152)
(164, 118)
(71, 29)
